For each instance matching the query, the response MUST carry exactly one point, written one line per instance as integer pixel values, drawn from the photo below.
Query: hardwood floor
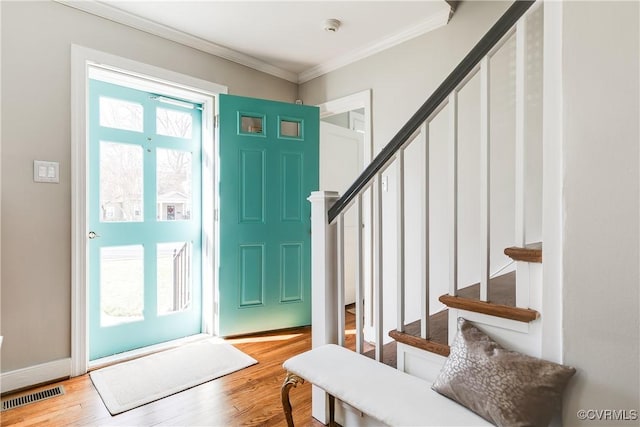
(249, 397)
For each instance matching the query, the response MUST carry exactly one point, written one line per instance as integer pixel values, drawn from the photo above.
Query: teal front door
(144, 219)
(268, 167)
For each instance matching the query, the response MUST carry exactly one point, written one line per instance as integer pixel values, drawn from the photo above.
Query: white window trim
(182, 86)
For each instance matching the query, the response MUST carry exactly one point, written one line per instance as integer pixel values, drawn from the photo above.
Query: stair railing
(328, 210)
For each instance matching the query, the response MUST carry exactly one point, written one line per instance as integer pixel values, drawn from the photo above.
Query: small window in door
(290, 128)
(251, 124)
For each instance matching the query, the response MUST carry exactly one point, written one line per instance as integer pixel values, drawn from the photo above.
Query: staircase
(506, 303)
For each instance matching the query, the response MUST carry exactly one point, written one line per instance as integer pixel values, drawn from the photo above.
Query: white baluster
(425, 311)
(485, 179)
(340, 280)
(377, 269)
(521, 82)
(359, 278)
(401, 238)
(522, 270)
(453, 193)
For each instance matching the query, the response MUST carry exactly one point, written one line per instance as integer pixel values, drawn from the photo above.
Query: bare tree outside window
(174, 167)
(119, 114)
(173, 123)
(174, 184)
(121, 165)
(121, 182)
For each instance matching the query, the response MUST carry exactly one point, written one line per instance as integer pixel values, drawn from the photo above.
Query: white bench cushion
(378, 390)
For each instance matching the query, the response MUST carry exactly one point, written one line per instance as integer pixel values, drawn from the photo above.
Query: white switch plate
(46, 171)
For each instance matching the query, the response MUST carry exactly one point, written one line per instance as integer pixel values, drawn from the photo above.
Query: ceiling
(283, 38)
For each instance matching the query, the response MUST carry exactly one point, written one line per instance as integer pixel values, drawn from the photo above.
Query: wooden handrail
(479, 51)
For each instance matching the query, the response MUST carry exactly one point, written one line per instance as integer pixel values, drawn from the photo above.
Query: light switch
(46, 171)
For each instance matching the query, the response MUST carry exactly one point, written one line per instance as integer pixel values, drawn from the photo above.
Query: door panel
(252, 186)
(291, 272)
(252, 275)
(268, 167)
(144, 208)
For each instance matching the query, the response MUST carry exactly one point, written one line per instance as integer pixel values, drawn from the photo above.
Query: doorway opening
(346, 149)
(175, 94)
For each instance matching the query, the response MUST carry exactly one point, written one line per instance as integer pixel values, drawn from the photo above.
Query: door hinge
(216, 119)
(215, 214)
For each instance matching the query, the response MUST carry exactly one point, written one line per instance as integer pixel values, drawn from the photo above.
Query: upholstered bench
(380, 391)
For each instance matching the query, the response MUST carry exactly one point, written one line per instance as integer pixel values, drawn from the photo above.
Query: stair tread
(502, 291)
(501, 300)
(491, 309)
(438, 334)
(531, 252)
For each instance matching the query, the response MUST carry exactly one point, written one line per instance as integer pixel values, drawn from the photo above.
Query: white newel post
(324, 314)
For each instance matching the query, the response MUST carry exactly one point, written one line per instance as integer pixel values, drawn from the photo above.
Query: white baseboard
(38, 374)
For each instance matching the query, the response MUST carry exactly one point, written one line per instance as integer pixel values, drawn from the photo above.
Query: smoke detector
(332, 25)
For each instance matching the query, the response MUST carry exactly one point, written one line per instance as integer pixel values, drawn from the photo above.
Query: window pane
(119, 114)
(174, 277)
(290, 128)
(173, 123)
(174, 185)
(120, 182)
(249, 124)
(121, 284)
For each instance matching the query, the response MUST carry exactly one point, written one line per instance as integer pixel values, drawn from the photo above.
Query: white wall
(36, 218)
(601, 197)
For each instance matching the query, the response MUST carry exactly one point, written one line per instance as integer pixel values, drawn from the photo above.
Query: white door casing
(182, 86)
(341, 159)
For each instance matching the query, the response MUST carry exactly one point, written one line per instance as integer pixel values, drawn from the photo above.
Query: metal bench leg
(291, 380)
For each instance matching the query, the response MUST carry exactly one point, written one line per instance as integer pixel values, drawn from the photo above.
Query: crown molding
(116, 15)
(111, 13)
(435, 21)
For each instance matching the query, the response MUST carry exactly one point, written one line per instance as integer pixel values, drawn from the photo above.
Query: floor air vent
(32, 398)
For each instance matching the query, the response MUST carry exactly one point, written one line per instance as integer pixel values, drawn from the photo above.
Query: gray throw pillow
(504, 387)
